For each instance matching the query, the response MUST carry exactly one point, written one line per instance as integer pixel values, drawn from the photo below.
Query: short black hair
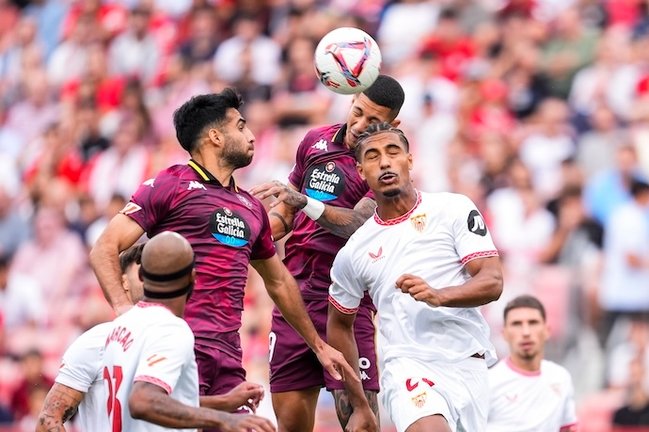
(130, 256)
(638, 187)
(524, 301)
(386, 92)
(375, 129)
(191, 119)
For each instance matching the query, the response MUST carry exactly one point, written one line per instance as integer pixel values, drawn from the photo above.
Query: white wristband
(313, 208)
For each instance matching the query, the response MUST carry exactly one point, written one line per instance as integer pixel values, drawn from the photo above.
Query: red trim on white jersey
(147, 304)
(476, 255)
(399, 219)
(155, 381)
(512, 366)
(341, 308)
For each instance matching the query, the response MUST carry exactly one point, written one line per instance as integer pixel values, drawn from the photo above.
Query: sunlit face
(239, 145)
(363, 113)
(385, 164)
(526, 332)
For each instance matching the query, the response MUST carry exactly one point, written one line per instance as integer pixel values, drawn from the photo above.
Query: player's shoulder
(552, 369)
(326, 133)
(92, 338)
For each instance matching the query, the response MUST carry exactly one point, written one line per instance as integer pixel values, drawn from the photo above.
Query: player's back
(81, 370)
(148, 344)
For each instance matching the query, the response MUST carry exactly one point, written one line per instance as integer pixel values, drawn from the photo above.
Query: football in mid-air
(347, 60)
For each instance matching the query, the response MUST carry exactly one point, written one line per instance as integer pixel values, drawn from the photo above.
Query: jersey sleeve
(346, 289)
(82, 361)
(151, 201)
(165, 353)
(263, 248)
(471, 235)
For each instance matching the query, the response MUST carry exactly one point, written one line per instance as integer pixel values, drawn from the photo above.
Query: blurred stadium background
(536, 109)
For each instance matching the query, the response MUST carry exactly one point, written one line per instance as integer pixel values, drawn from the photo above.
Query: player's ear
(395, 123)
(409, 161)
(215, 135)
(359, 168)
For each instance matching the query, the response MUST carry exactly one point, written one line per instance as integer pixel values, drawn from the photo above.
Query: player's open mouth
(388, 177)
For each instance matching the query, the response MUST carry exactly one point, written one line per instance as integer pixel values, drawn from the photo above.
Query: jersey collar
(398, 219)
(207, 176)
(339, 136)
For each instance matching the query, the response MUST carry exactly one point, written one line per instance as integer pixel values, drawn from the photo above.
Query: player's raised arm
(484, 286)
(121, 233)
(340, 221)
(284, 291)
(60, 405)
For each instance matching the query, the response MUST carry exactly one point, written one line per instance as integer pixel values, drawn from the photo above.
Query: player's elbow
(495, 286)
(140, 404)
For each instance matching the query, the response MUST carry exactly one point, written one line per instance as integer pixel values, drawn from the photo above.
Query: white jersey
(524, 401)
(148, 343)
(434, 241)
(80, 370)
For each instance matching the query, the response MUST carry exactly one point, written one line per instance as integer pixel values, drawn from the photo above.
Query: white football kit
(148, 343)
(524, 401)
(425, 351)
(80, 370)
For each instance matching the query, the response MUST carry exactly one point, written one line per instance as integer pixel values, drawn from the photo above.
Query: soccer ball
(347, 60)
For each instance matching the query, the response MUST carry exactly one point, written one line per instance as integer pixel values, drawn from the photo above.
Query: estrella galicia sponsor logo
(476, 224)
(324, 182)
(229, 228)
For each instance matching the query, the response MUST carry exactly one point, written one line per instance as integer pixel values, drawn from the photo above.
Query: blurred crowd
(536, 109)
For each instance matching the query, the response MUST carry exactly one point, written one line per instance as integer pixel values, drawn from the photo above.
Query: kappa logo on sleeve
(130, 208)
(476, 224)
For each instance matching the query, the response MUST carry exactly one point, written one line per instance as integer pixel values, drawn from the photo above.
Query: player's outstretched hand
(362, 420)
(418, 289)
(334, 362)
(246, 423)
(282, 193)
(245, 394)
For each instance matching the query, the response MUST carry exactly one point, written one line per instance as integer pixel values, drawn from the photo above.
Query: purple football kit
(324, 170)
(227, 228)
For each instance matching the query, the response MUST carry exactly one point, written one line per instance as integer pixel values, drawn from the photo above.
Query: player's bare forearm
(121, 233)
(151, 403)
(340, 335)
(59, 406)
(281, 220)
(344, 407)
(485, 286)
(343, 222)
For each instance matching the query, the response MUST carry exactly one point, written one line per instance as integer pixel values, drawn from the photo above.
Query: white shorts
(412, 389)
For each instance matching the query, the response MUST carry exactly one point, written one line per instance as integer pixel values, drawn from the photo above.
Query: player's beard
(236, 159)
(391, 193)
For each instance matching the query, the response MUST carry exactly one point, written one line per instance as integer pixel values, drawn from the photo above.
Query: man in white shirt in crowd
(428, 261)
(528, 393)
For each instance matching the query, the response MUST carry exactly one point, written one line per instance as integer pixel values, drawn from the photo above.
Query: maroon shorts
(293, 366)
(219, 370)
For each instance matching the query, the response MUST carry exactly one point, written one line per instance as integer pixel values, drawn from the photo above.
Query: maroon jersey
(226, 226)
(324, 170)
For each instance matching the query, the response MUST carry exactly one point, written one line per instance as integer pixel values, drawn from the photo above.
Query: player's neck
(525, 366)
(216, 167)
(397, 206)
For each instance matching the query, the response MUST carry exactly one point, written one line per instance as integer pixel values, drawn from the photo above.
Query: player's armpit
(60, 405)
